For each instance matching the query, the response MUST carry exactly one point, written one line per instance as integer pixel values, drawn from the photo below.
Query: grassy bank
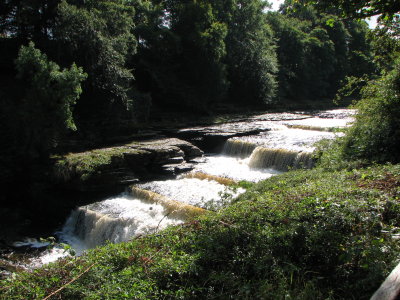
(300, 235)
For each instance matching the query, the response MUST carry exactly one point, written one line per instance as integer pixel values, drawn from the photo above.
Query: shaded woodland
(83, 71)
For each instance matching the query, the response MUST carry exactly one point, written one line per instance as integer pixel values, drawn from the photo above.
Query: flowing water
(113, 220)
(148, 207)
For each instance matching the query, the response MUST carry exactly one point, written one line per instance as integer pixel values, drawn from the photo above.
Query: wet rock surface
(154, 157)
(101, 168)
(212, 138)
(167, 156)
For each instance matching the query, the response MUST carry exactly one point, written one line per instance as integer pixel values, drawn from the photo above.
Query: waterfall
(311, 127)
(188, 194)
(115, 220)
(280, 159)
(173, 208)
(238, 148)
(205, 176)
(95, 229)
(152, 206)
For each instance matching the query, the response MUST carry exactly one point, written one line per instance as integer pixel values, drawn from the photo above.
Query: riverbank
(305, 235)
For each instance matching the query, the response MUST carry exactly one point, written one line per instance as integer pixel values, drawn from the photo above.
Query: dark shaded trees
(251, 57)
(98, 36)
(360, 9)
(315, 54)
(42, 106)
(196, 54)
(36, 112)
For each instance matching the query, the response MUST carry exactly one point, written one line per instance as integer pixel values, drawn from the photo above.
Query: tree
(375, 136)
(361, 9)
(44, 101)
(201, 48)
(251, 53)
(27, 19)
(194, 54)
(180, 53)
(98, 36)
(315, 56)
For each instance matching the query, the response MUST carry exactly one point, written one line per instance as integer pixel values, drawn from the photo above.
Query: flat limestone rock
(104, 167)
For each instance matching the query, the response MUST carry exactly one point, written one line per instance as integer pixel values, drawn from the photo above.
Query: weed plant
(300, 235)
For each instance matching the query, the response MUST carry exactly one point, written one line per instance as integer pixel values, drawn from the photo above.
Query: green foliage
(376, 133)
(314, 57)
(386, 46)
(44, 106)
(251, 57)
(351, 89)
(196, 54)
(98, 36)
(388, 10)
(300, 235)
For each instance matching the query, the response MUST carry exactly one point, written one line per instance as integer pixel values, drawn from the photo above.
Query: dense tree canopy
(375, 135)
(44, 104)
(314, 56)
(144, 58)
(360, 9)
(98, 37)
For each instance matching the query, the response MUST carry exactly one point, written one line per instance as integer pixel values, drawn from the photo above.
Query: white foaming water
(322, 123)
(336, 118)
(192, 191)
(238, 148)
(49, 255)
(115, 220)
(32, 243)
(290, 139)
(261, 156)
(234, 168)
(280, 159)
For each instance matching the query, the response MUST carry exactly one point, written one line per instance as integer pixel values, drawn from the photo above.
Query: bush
(375, 135)
(300, 235)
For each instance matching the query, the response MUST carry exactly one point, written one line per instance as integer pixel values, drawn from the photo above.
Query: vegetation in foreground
(301, 235)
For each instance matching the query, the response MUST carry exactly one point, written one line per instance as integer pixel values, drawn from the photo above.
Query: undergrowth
(300, 235)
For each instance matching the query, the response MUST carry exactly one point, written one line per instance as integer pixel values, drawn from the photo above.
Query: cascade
(152, 206)
(173, 208)
(238, 148)
(205, 176)
(311, 127)
(280, 159)
(115, 220)
(186, 191)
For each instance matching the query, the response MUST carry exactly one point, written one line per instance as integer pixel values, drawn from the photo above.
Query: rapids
(151, 206)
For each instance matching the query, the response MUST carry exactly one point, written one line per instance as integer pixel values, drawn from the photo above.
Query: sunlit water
(290, 139)
(48, 255)
(113, 220)
(192, 191)
(234, 168)
(337, 118)
(251, 158)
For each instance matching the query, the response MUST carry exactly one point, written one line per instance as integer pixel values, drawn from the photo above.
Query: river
(147, 207)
